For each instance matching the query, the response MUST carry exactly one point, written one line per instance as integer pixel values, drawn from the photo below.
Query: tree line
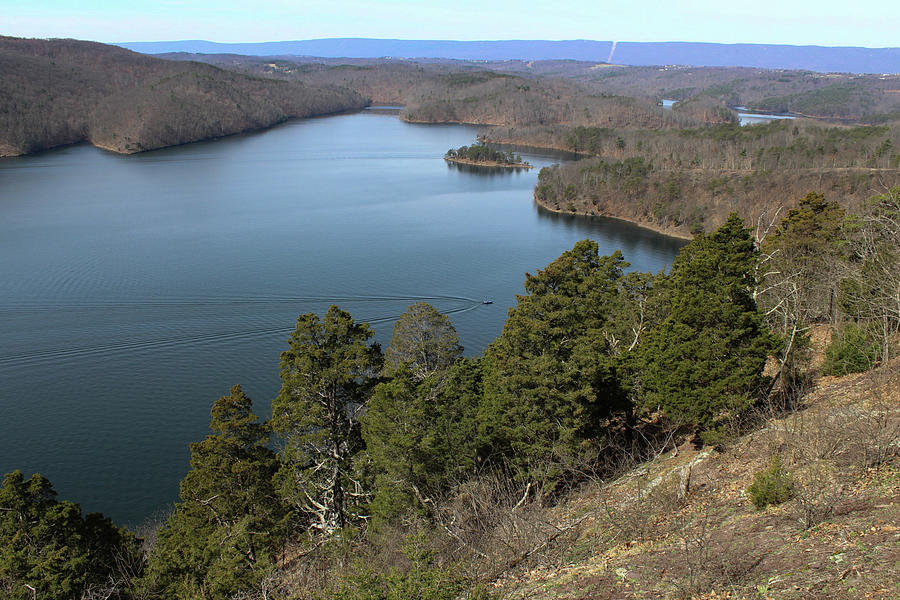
(690, 180)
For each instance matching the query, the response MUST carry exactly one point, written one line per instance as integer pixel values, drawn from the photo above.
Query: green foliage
(401, 441)
(771, 486)
(421, 436)
(851, 351)
(326, 376)
(424, 339)
(550, 378)
(455, 409)
(703, 364)
(223, 535)
(811, 226)
(47, 543)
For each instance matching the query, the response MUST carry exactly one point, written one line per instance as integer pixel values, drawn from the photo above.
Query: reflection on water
(485, 171)
(611, 234)
(756, 119)
(543, 155)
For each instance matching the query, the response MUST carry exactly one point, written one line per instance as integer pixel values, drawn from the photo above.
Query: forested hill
(56, 92)
(766, 56)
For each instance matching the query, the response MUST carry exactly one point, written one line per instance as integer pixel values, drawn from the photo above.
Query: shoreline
(666, 231)
(211, 138)
(475, 163)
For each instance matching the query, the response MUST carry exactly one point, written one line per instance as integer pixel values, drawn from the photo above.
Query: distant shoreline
(667, 231)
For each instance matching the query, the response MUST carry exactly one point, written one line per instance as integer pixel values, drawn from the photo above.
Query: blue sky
(872, 23)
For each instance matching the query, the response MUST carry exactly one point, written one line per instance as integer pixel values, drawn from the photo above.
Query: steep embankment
(683, 526)
(56, 92)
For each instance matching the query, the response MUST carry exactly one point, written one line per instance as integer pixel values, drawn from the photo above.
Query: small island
(479, 154)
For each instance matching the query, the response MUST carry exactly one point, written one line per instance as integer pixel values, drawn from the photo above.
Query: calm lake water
(138, 289)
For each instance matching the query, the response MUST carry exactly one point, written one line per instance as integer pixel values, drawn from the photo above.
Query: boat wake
(161, 313)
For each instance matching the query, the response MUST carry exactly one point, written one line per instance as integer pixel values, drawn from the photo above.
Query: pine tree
(704, 363)
(48, 545)
(424, 339)
(224, 534)
(550, 378)
(400, 441)
(326, 377)
(421, 435)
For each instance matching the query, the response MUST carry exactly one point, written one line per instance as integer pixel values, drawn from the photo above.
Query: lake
(138, 289)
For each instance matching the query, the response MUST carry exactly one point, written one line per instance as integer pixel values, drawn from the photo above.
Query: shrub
(850, 351)
(421, 579)
(771, 486)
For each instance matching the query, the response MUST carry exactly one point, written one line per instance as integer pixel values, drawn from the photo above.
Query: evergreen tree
(456, 409)
(47, 545)
(704, 363)
(424, 339)
(400, 440)
(326, 376)
(550, 378)
(224, 534)
(421, 436)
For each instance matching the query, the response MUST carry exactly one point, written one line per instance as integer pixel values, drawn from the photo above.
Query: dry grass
(682, 526)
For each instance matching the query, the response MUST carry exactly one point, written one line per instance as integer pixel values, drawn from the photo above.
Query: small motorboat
(487, 301)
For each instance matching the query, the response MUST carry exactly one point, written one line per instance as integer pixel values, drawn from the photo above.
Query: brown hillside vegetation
(690, 201)
(56, 92)
(490, 98)
(690, 180)
(384, 82)
(683, 526)
(466, 92)
(871, 98)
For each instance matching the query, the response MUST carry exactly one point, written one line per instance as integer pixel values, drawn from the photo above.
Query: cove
(138, 289)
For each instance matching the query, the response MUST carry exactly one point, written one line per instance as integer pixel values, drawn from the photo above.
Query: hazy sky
(872, 23)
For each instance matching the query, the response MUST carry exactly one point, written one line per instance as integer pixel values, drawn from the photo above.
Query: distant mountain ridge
(766, 56)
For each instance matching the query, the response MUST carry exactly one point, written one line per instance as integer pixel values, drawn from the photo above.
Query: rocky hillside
(56, 92)
(684, 526)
